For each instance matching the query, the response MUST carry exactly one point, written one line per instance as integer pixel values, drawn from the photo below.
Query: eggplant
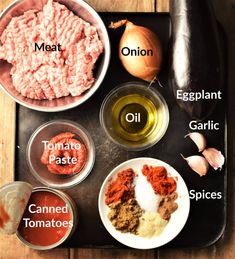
(197, 61)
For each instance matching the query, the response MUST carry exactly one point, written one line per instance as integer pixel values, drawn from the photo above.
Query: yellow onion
(134, 37)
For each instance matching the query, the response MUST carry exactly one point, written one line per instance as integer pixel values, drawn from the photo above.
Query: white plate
(178, 218)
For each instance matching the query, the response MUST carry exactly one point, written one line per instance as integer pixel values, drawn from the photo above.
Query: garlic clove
(198, 164)
(214, 158)
(198, 139)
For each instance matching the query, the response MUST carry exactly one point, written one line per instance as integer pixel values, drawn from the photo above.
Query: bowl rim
(89, 93)
(140, 85)
(41, 179)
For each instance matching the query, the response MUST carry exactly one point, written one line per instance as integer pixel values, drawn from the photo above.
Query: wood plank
(111, 253)
(13, 250)
(7, 132)
(7, 154)
(4, 3)
(7, 138)
(162, 6)
(123, 5)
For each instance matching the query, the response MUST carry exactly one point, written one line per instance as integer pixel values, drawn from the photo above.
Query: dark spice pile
(120, 197)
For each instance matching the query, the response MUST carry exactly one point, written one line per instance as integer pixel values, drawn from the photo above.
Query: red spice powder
(122, 189)
(161, 183)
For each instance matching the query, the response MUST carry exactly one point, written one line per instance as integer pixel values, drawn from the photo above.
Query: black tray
(207, 218)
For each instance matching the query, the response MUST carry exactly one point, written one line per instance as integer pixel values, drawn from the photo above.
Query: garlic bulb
(214, 157)
(198, 164)
(139, 50)
(198, 139)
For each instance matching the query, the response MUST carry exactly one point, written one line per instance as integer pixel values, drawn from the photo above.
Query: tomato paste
(46, 219)
(64, 155)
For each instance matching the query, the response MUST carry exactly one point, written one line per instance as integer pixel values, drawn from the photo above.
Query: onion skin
(143, 67)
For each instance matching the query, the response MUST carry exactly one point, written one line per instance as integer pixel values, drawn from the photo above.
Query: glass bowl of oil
(134, 116)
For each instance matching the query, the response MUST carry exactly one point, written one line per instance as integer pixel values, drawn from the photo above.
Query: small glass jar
(134, 116)
(35, 150)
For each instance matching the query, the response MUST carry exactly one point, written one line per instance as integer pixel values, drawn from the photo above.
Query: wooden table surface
(11, 247)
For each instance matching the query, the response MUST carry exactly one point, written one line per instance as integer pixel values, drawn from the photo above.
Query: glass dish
(35, 149)
(157, 113)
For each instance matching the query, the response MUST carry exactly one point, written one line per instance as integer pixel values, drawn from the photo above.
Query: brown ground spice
(167, 205)
(125, 215)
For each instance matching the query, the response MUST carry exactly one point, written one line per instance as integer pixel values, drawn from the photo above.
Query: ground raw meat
(50, 74)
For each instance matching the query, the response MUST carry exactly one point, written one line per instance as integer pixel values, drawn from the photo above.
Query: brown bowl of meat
(53, 54)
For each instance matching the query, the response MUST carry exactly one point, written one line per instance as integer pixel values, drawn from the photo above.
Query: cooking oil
(135, 118)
